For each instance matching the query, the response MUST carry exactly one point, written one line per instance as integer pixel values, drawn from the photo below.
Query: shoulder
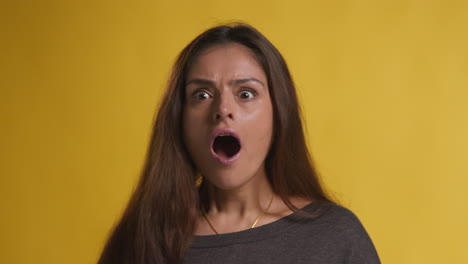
(343, 226)
(341, 216)
(337, 219)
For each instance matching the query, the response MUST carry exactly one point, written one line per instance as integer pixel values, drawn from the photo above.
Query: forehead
(226, 61)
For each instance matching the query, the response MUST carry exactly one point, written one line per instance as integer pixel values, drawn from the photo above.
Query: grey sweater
(334, 236)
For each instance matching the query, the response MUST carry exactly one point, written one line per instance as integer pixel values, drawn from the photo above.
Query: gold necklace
(253, 225)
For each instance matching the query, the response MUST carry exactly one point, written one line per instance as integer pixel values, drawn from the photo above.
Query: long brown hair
(158, 223)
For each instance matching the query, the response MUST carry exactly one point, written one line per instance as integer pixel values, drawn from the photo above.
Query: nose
(224, 109)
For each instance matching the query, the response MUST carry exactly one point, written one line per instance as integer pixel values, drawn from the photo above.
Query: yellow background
(384, 88)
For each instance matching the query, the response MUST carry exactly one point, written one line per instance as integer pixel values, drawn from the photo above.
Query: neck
(250, 199)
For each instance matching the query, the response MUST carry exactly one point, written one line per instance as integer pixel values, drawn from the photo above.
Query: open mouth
(226, 146)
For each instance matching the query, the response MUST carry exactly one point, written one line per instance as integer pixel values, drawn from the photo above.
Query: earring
(199, 180)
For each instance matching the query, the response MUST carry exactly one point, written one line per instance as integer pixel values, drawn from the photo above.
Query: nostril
(220, 116)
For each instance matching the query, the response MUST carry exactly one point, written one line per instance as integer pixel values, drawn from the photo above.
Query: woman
(228, 177)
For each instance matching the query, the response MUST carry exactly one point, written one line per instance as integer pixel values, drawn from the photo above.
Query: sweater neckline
(258, 233)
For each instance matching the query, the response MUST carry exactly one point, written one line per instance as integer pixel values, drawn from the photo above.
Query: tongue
(226, 146)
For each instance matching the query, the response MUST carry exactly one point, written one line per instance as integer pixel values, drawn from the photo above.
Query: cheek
(261, 127)
(192, 120)
(267, 127)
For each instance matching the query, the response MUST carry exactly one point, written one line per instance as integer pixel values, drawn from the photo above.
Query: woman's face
(227, 116)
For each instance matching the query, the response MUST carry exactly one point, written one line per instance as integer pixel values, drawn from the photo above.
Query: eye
(201, 95)
(247, 94)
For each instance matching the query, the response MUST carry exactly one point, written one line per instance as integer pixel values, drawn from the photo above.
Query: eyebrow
(212, 83)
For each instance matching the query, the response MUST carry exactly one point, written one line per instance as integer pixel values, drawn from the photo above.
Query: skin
(227, 88)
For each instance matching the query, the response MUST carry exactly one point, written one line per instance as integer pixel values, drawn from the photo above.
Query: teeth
(224, 134)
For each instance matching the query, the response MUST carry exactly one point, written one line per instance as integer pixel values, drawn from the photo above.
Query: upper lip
(219, 131)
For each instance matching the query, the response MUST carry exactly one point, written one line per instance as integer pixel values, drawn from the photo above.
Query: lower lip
(225, 161)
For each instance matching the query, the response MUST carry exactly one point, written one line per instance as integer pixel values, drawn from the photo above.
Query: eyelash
(196, 94)
(253, 92)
